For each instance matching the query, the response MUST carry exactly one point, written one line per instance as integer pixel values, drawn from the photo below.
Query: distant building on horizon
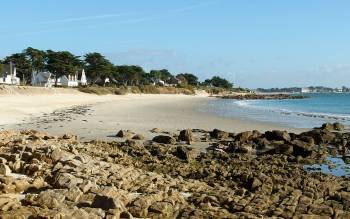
(338, 90)
(305, 90)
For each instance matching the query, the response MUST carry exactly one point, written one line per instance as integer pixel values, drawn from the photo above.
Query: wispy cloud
(87, 18)
(194, 6)
(105, 16)
(144, 18)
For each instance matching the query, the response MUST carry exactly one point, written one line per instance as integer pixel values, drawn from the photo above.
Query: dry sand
(102, 116)
(18, 104)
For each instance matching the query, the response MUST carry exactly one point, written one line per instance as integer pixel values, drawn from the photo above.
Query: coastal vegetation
(144, 89)
(98, 68)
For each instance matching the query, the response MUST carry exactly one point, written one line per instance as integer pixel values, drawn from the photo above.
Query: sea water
(298, 113)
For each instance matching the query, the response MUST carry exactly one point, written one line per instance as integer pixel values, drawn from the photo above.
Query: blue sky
(255, 43)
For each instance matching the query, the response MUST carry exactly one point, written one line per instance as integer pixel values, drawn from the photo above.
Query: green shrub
(102, 90)
(134, 90)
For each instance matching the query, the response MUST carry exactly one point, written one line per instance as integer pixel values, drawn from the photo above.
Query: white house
(8, 75)
(47, 79)
(83, 79)
(42, 79)
(158, 82)
(70, 81)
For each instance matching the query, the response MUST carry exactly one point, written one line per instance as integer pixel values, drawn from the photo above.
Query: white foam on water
(252, 104)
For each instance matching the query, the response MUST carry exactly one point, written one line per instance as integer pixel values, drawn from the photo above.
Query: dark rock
(262, 96)
(138, 137)
(301, 151)
(125, 134)
(253, 184)
(164, 139)
(186, 153)
(262, 143)
(319, 136)
(244, 136)
(70, 137)
(218, 134)
(308, 140)
(107, 202)
(186, 135)
(134, 143)
(346, 159)
(278, 135)
(327, 137)
(285, 149)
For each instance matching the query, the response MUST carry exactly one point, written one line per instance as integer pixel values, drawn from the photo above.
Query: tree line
(97, 68)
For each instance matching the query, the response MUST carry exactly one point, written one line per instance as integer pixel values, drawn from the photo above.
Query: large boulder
(50, 199)
(327, 137)
(73, 194)
(218, 134)
(164, 139)
(278, 135)
(244, 136)
(319, 136)
(138, 137)
(67, 180)
(338, 126)
(281, 148)
(186, 135)
(8, 202)
(125, 134)
(107, 202)
(302, 151)
(285, 149)
(57, 154)
(186, 153)
(4, 169)
(327, 126)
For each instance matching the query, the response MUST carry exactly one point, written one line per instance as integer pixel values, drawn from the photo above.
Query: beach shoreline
(101, 117)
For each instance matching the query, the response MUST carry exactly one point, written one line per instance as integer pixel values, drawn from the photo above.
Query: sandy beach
(90, 116)
(22, 103)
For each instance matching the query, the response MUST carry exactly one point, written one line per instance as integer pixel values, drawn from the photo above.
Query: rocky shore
(262, 96)
(241, 175)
